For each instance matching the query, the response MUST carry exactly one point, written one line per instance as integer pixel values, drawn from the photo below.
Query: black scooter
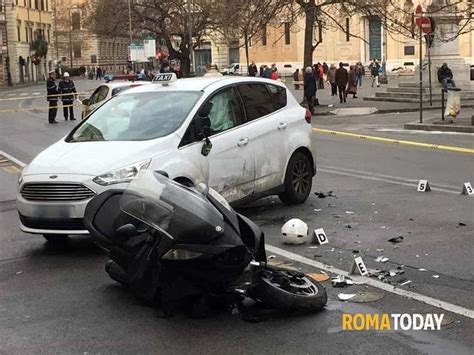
(169, 242)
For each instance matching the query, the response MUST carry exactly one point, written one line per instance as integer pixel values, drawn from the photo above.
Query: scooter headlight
(179, 254)
(125, 174)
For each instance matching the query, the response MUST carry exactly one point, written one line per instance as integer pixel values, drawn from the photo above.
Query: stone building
(76, 45)
(282, 44)
(26, 21)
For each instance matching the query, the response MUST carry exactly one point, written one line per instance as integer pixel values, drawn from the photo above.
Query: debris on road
(271, 257)
(19, 273)
(436, 276)
(318, 276)
(348, 226)
(382, 259)
(341, 281)
(364, 297)
(461, 224)
(355, 251)
(324, 195)
(349, 212)
(345, 296)
(422, 269)
(405, 283)
(380, 250)
(317, 210)
(395, 240)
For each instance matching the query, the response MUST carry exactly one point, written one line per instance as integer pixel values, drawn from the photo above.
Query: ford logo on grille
(53, 176)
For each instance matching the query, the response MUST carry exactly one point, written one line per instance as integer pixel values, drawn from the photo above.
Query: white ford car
(245, 137)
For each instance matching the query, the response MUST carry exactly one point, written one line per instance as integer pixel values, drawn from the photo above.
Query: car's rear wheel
(298, 180)
(55, 238)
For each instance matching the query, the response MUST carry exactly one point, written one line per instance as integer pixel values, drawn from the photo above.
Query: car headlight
(121, 175)
(179, 254)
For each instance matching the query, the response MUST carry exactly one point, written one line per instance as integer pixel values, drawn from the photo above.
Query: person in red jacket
(274, 75)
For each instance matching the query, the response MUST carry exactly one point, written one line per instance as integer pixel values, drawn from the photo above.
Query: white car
(245, 137)
(105, 92)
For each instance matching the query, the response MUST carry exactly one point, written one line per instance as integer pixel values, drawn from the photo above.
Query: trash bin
(453, 105)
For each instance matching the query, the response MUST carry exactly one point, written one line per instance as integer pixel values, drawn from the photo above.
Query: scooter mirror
(127, 231)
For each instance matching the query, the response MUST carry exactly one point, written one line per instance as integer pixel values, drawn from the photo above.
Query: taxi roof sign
(165, 78)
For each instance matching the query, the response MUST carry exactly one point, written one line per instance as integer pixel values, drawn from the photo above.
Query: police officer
(52, 97)
(68, 91)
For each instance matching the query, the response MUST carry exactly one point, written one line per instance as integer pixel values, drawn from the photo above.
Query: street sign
(426, 25)
(423, 186)
(418, 15)
(321, 236)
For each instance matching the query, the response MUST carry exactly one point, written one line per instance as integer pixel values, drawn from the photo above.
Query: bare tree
(246, 19)
(180, 24)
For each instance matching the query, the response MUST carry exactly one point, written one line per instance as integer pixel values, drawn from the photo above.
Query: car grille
(53, 224)
(56, 192)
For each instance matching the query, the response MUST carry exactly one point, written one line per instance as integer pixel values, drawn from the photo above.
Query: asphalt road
(60, 300)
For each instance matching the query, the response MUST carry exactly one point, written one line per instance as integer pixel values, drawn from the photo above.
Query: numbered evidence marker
(423, 186)
(467, 189)
(321, 236)
(358, 265)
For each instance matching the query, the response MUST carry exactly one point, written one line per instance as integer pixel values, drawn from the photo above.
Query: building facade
(26, 23)
(3, 47)
(279, 43)
(76, 45)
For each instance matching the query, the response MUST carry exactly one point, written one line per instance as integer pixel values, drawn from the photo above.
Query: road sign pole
(421, 75)
(429, 74)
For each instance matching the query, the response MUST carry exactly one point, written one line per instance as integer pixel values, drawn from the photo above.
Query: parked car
(105, 92)
(218, 130)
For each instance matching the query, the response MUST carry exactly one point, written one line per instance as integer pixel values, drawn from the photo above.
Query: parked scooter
(169, 242)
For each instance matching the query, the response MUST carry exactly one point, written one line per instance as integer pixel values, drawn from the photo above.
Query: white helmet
(66, 74)
(295, 231)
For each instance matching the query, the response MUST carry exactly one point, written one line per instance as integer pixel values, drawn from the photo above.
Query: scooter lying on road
(169, 242)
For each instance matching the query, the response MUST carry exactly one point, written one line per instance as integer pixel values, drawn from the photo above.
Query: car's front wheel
(55, 238)
(298, 180)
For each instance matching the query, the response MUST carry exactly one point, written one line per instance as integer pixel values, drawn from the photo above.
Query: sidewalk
(328, 103)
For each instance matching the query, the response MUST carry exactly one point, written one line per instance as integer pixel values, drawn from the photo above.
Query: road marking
(23, 94)
(375, 178)
(375, 283)
(11, 169)
(385, 178)
(13, 159)
(36, 93)
(396, 141)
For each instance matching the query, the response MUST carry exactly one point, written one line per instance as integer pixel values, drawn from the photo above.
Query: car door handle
(282, 125)
(243, 141)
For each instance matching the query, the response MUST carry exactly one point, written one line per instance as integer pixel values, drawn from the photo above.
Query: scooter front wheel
(288, 290)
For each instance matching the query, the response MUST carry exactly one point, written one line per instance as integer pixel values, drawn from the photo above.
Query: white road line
(23, 94)
(375, 283)
(390, 177)
(391, 181)
(36, 93)
(12, 158)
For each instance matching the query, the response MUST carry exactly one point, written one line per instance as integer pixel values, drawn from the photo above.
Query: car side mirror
(85, 102)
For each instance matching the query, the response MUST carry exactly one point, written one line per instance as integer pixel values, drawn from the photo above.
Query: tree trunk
(185, 63)
(308, 33)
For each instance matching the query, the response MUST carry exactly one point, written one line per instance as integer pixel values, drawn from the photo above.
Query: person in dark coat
(310, 88)
(445, 76)
(253, 69)
(342, 78)
(296, 75)
(52, 97)
(68, 94)
(352, 84)
(267, 72)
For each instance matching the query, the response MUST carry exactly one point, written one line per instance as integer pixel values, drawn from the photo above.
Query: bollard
(442, 104)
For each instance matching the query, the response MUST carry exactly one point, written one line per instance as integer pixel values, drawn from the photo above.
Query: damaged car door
(231, 160)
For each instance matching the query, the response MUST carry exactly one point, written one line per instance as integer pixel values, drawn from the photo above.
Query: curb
(437, 127)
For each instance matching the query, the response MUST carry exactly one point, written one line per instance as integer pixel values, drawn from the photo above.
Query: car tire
(298, 180)
(56, 238)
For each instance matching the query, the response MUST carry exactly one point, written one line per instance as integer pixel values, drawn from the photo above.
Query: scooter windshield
(181, 213)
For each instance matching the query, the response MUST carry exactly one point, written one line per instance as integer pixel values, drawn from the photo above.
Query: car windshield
(136, 116)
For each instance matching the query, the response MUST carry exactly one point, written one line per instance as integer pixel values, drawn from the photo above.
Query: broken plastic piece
(345, 296)
(436, 276)
(395, 240)
(349, 212)
(405, 283)
(381, 259)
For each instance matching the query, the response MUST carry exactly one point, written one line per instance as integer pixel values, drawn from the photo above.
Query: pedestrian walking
(325, 71)
(296, 75)
(267, 72)
(274, 75)
(253, 69)
(352, 84)
(342, 78)
(374, 72)
(319, 68)
(360, 72)
(52, 97)
(332, 79)
(310, 88)
(68, 94)
(98, 75)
